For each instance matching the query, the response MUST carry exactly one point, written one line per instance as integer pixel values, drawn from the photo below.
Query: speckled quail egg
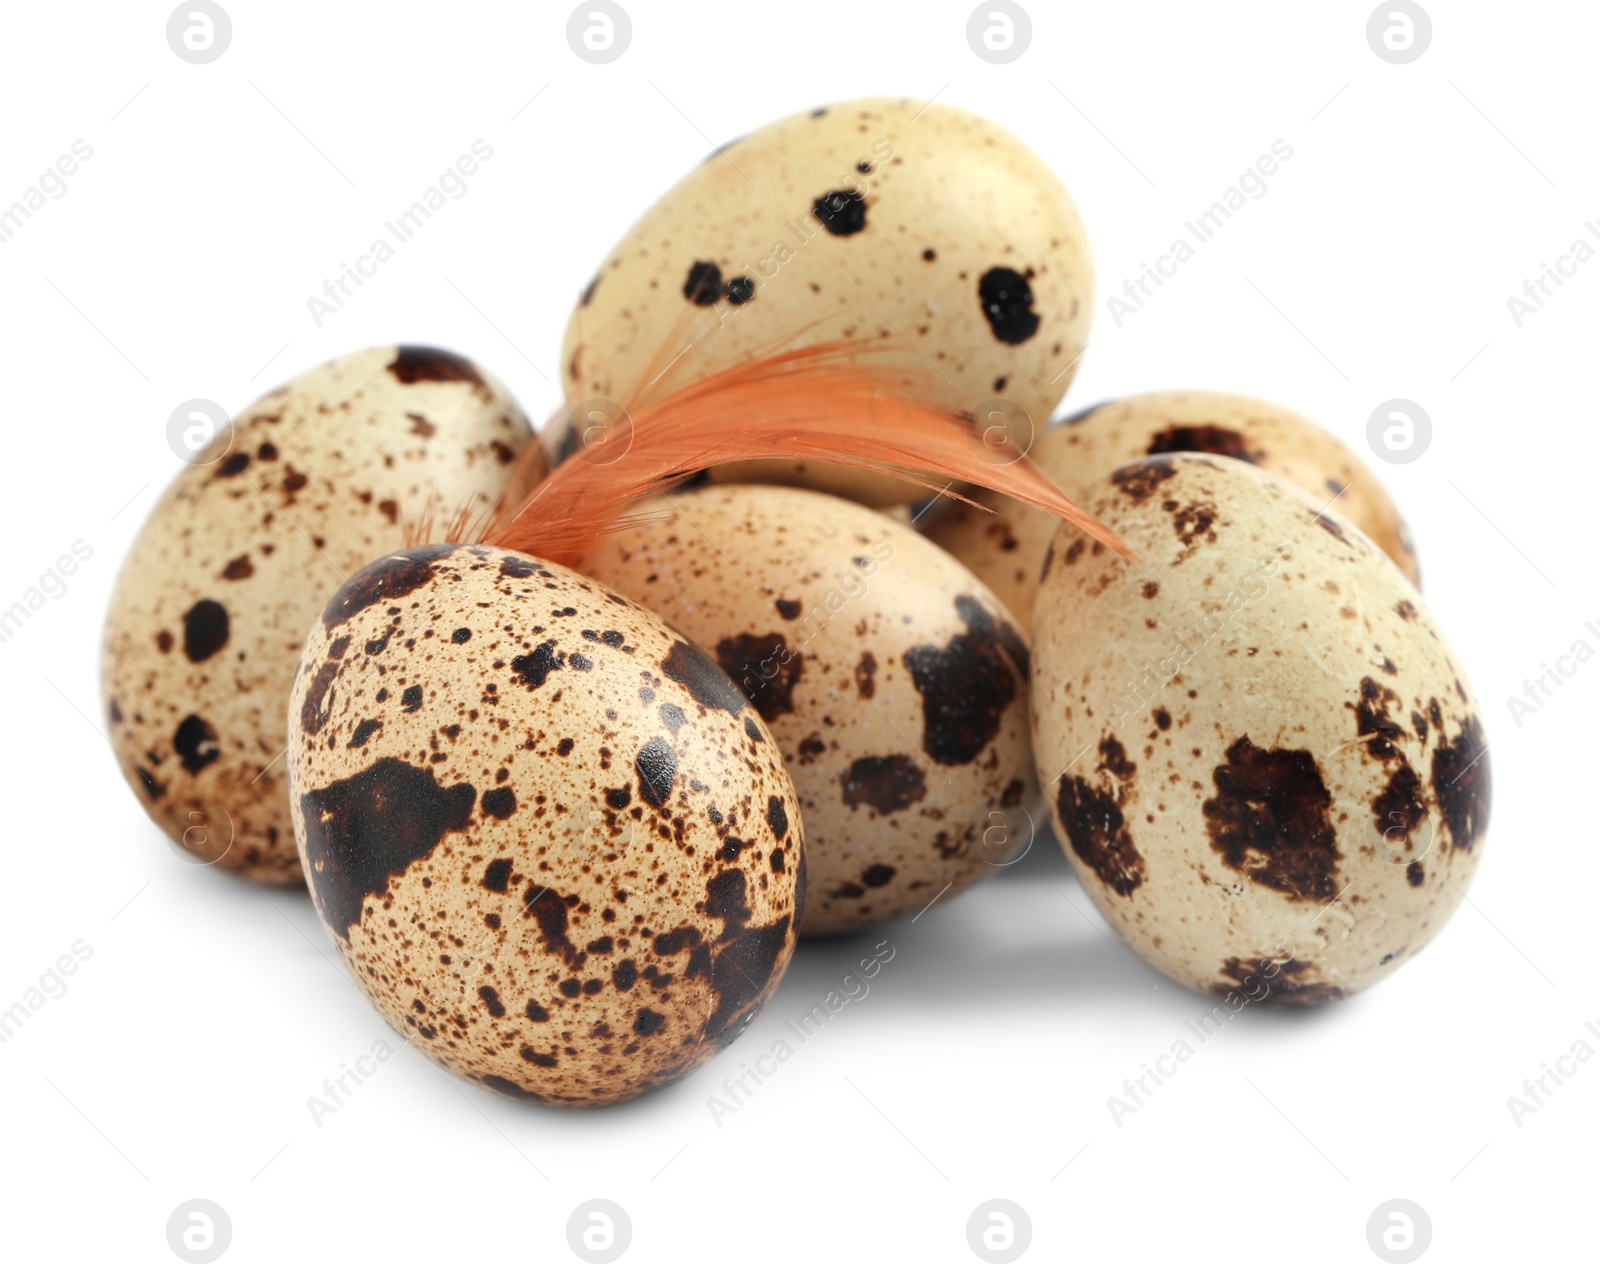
(893, 681)
(921, 226)
(212, 604)
(1263, 759)
(1005, 548)
(554, 845)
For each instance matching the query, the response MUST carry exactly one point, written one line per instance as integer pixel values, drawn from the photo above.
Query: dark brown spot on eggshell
(534, 668)
(703, 285)
(1091, 816)
(866, 669)
(740, 973)
(1373, 721)
(548, 909)
(1331, 526)
(1194, 522)
(982, 623)
(1218, 440)
(1270, 821)
(884, 783)
(656, 764)
(509, 1088)
(431, 364)
(843, 212)
(1461, 783)
(706, 682)
(1399, 808)
(966, 687)
(1274, 982)
(1006, 297)
(205, 630)
(1138, 480)
(364, 731)
(360, 832)
(514, 567)
(316, 707)
(765, 668)
(195, 741)
(387, 579)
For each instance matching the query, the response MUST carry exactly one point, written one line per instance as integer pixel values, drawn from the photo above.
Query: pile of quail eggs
(567, 825)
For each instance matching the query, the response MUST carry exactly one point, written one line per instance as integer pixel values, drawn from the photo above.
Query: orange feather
(816, 403)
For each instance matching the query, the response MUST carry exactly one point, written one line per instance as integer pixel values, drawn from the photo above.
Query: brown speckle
(1461, 783)
(360, 832)
(430, 364)
(866, 669)
(966, 687)
(765, 668)
(1270, 821)
(1218, 440)
(1139, 479)
(885, 783)
(205, 630)
(385, 580)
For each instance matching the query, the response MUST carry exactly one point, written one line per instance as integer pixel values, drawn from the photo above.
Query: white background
(178, 264)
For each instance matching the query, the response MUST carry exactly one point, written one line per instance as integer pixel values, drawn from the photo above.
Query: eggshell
(921, 226)
(893, 682)
(1005, 548)
(241, 553)
(553, 844)
(1264, 760)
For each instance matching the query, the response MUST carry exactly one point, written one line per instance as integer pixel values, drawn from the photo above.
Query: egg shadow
(1028, 937)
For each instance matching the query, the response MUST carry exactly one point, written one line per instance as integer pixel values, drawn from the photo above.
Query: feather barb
(823, 402)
